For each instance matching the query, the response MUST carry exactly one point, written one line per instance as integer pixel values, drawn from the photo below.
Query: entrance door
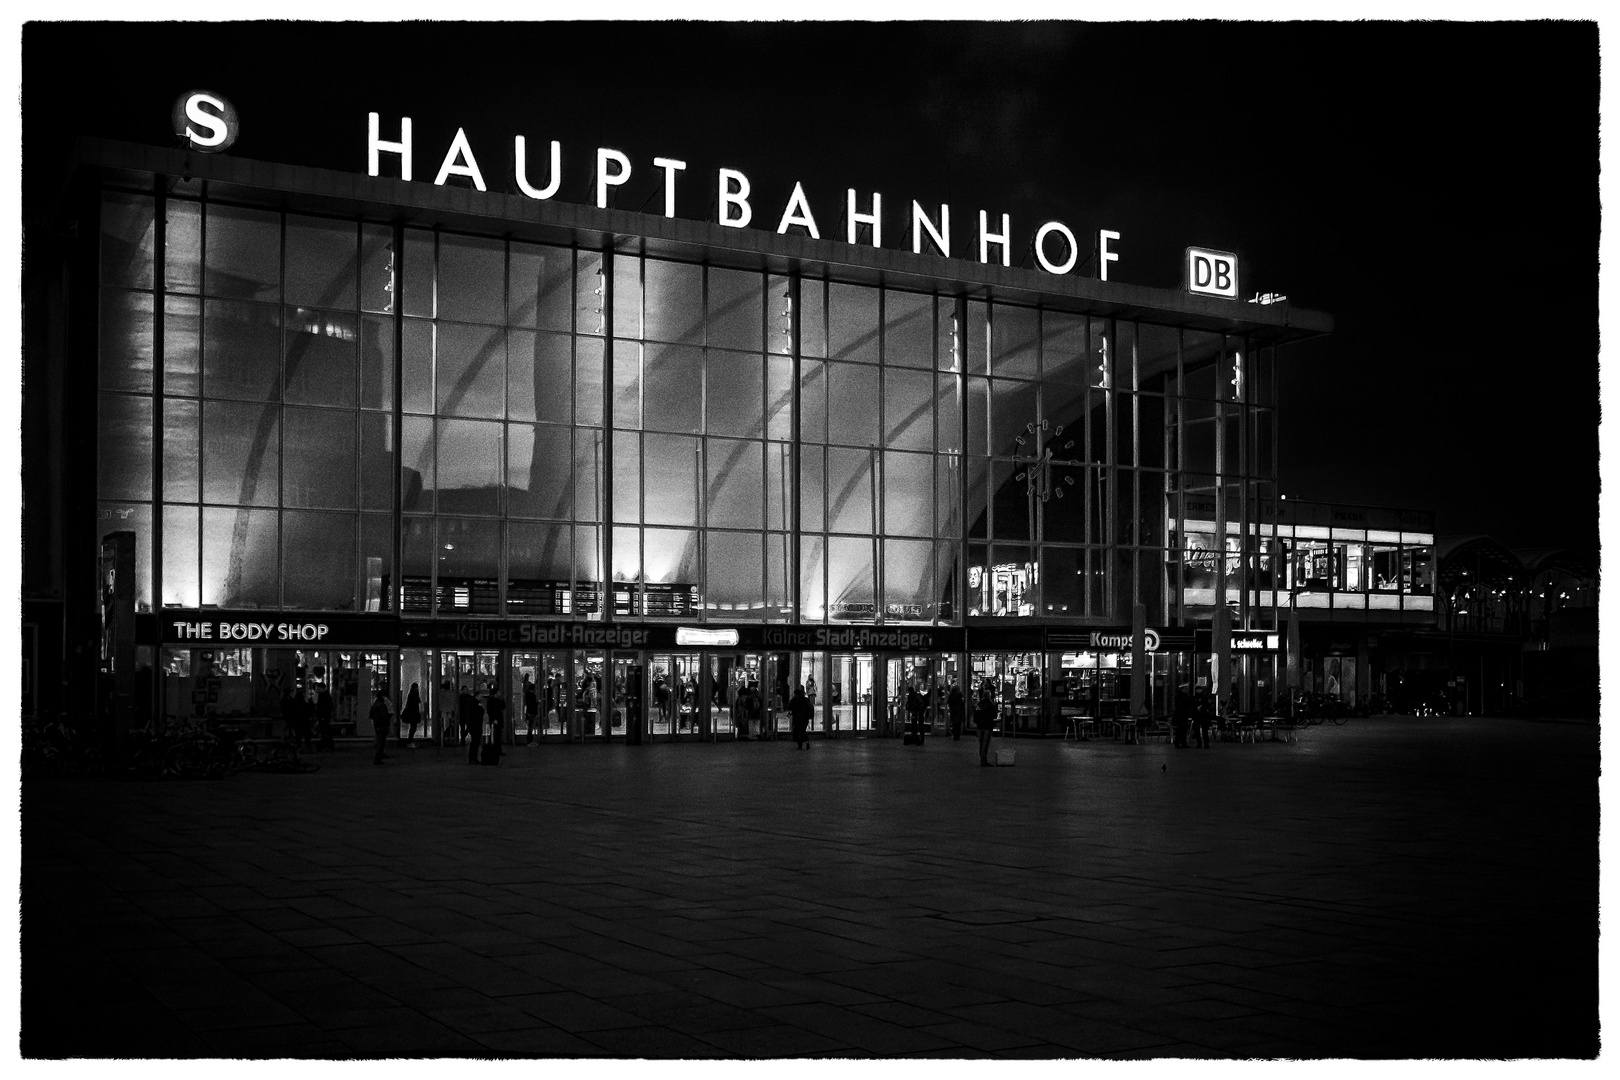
(592, 706)
(463, 671)
(849, 690)
(629, 718)
(673, 710)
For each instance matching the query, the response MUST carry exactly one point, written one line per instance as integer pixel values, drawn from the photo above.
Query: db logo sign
(204, 121)
(1212, 273)
(1150, 640)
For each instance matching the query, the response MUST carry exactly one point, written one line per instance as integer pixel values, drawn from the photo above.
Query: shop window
(852, 323)
(735, 484)
(241, 458)
(322, 260)
(673, 380)
(908, 329)
(1386, 568)
(539, 482)
(1015, 340)
(470, 370)
(736, 310)
(240, 558)
(540, 377)
(318, 566)
(241, 351)
(674, 299)
(1417, 575)
(908, 410)
(908, 489)
(318, 467)
(541, 287)
(242, 259)
(849, 491)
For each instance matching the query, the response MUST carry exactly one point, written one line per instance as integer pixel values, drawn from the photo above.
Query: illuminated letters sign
(1255, 641)
(1212, 273)
(204, 121)
(691, 635)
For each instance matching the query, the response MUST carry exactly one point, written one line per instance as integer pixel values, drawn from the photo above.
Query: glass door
(849, 689)
(813, 668)
(593, 710)
(416, 669)
(674, 710)
(629, 694)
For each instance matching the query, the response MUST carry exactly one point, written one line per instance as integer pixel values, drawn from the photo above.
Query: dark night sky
(1432, 186)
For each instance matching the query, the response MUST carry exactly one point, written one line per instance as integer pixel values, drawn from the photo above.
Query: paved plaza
(1393, 888)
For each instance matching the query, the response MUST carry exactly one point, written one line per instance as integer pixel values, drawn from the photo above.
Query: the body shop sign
(275, 629)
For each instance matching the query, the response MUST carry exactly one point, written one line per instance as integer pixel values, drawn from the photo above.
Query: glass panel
(376, 461)
(243, 256)
(626, 296)
(416, 570)
(590, 315)
(1012, 410)
(126, 341)
(735, 484)
(978, 416)
(241, 350)
(626, 557)
(538, 480)
(736, 394)
(811, 482)
(182, 246)
(376, 362)
(908, 580)
(181, 443)
(241, 453)
(321, 348)
(1063, 347)
(539, 377)
(779, 400)
(321, 262)
(672, 565)
(736, 314)
(416, 376)
(812, 317)
(418, 273)
(852, 323)
(908, 413)
(1015, 337)
(673, 388)
(135, 518)
(626, 485)
(240, 567)
(736, 583)
(470, 370)
(778, 316)
(852, 404)
(851, 593)
(180, 556)
(778, 485)
(626, 384)
(377, 282)
(948, 495)
(587, 568)
(674, 302)
(467, 566)
(670, 479)
(589, 367)
(182, 345)
(849, 490)
(908, 494)
(588, 463)
(812, 583)
(417, 480)
(977, 515)
(949, 413)
(812, 401)
(472, 279)
(318, 470)
(376, 560)
(1063, 581)
(318, 564)
(908, 329)
(469, 467)
(947, 586)
(542, 287)
(128, 239)
(539, 569)
(1012, 509)
(978, 336)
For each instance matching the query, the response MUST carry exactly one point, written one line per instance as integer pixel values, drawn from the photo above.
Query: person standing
(914, 713)
(295, 708)
(449, 707)
(496, 704)
(739, 710)
(1203, 716)
(323, 716)
(984, 718)
(472, 724)
(800, 709)
(1181, 721)
(411, 715)
(382, 712)
(955, 708)
(531, 710)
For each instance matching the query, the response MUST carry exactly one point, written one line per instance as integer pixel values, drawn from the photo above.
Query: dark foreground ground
(1393, 888)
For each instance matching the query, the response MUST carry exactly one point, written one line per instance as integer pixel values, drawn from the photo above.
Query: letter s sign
(204, 121)
(1212, 273)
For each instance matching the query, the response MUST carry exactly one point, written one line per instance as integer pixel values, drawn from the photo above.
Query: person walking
(800, 709)
(323, 716)
(1203, 716)
(739, 711)
(984, 718)
(449, 706)
(472, 724)
(382, 713)
(531, 709)
(955, 707)
(411, 715)
(914, 714)
(495, 703)
(295, 709)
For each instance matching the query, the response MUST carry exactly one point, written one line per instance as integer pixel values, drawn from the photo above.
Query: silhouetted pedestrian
(295, 709)
(984, 718)
(801, 711)
(531, 710)
(381, 714)
(472, 722)
(323, 716)
(411, 715)
(955, 707)
(915, 706)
